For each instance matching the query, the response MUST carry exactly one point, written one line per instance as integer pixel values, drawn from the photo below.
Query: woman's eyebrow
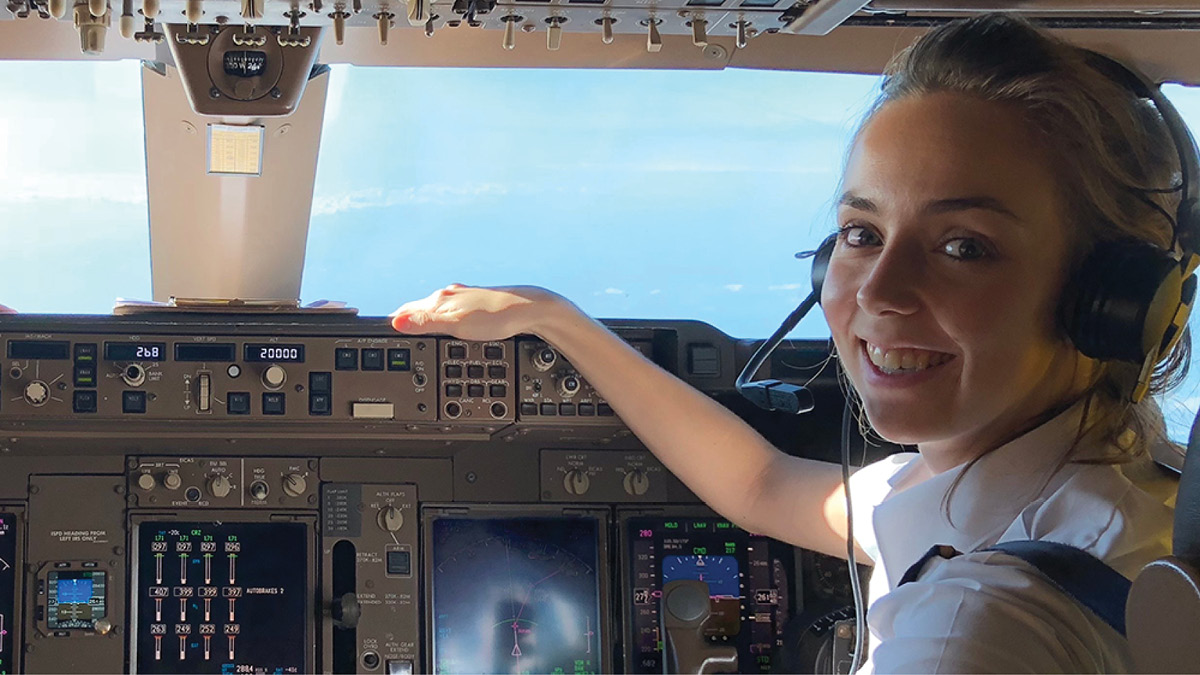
(937, 206)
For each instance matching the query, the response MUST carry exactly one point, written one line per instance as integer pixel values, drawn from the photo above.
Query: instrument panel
(283, 495)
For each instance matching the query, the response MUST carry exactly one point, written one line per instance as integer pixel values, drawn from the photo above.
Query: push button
(605, 410)
(85, 402)
(475, 372)
(457, 351)
(454, 390)
(529, 409)
(319, 403)
(399, 563)
(372, 359)
(346, 359)
(133, 402)
(549, 409)
(85, 352)
(85, 375)
(398, 359)
(566, 409)
(493, 352)
(320, 382)
(454, 371)
(587, 409)
(497, 391)
(475, 390)
(497, 372)
(237, 403)
(273, 403)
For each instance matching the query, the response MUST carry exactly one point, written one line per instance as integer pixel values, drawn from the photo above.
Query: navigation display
(8, 579)
(748, 586)
(516, 595)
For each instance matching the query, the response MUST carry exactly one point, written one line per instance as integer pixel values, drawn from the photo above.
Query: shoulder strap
(1071, 570)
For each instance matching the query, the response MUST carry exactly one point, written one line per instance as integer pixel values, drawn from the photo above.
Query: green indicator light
(700, 526)
(671, 525)
(724, 525)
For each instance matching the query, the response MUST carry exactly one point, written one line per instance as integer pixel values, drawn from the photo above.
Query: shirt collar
(986, 501)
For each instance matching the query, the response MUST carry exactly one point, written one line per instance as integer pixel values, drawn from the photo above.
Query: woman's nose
(891, 283)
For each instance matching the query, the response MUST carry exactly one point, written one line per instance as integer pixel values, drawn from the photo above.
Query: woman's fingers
(7, 310)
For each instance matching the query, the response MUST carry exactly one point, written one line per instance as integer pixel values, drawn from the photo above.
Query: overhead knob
(172, 481)
(97, 7)
(294, 485)
(418, 12)
(37, 393)
(58, 8)
(150, 8)
(390, 519)
(653, 37)
(193, 10)
(339, 26)
(510, 31)
(742, 33)
(606, 29)
(385, 23)
(92, 29)
(576, 482)
(274, 377)
(128, 20)
(554, 34)
(700, 32)
(252, 10)
(219, 486)
(636, 482)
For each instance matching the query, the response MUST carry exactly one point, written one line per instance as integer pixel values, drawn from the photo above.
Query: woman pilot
(996, 160)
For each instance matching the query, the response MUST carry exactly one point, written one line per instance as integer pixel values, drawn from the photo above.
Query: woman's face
(942, 290)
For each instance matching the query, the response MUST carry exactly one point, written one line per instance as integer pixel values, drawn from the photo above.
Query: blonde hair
(1115, 162)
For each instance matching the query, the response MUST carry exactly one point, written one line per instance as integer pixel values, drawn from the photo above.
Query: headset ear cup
(1117, 300)
(820, 263)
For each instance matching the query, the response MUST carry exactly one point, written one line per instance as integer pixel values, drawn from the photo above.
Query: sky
(637, 194)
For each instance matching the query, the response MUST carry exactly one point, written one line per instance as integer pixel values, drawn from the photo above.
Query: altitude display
(222, 597)
(516, 595)
(75, 599)
(747, 578)
(273, 353)
(8, 578)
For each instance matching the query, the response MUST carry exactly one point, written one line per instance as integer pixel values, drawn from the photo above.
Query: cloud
(614, 291)
(734, 287)
(785, 287)
(378, 198)
(116, 188)
(656, 291)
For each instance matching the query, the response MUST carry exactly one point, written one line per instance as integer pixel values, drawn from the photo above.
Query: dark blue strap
(1071, 570)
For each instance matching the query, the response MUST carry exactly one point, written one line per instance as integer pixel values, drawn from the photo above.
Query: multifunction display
(222, 597)
(75, 599)
(517, 595)
(747, 578)
(8, 577)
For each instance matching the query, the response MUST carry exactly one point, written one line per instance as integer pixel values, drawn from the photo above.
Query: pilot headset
(1130, 299)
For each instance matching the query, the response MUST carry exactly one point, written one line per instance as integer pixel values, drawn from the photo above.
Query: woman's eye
(857, 235)
(965, 249)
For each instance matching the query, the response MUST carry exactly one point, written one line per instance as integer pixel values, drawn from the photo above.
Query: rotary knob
(544, 359)
(390, 519)
(219, 486)
(294, 485)
(146, 482)
(172, 481)
(274, 377)
(569, 386)
(37, 393)
(576, 482)
(636, 482)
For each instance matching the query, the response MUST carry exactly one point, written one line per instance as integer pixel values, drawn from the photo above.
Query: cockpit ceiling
(1160, 36)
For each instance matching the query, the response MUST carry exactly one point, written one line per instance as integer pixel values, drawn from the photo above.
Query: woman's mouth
(896, 361)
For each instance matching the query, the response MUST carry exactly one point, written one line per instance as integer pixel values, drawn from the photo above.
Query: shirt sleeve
(989, 613)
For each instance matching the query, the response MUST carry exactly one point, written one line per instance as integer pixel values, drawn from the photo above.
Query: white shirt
(990, 612)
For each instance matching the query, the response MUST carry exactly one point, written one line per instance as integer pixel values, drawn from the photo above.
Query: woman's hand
(477, 313)
(7, 310)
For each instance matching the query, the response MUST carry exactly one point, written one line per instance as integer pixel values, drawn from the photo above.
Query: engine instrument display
(517, 594)
(8, 578)
(748, 584)
(222, 597)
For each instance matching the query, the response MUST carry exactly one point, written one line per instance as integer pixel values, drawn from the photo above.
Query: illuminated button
(378, 411)
(85, 375)
(320, 382)
(85, 352)
(454, 390)
(497, 391)
(398, 359)
(399, 562)
(372, 359)
(566, 409)
(549, 409)
(457, 351)
(274, 404)
(85, 402)
(133, 402)
(529, 409)
(587, 409)
(454, 371)
(475, 390)
(238, 403)
(346, 359)
(319, 404)
(399, 667)
(493, 352)
(475, 372)
(605, 410)
(497, 372)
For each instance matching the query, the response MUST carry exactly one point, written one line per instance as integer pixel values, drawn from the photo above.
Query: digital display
(135, 351)
(748, 586)
(75, 599)
(273, 353)
(219, 352)
(8, 591)
(516, 595)
(222, 597)
(39, 350)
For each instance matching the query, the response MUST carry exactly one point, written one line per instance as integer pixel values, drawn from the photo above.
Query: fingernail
(400, 322)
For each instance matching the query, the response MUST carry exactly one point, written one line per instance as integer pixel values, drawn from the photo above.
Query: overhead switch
(700, 32)
(339, 26)
(510, 31)
(385, 23)
(128, 20)
(150, 9)
(554, 34)
(58, 8)
(606, 29)
(418, 12)
(653, 37)
(193, 10)
(92, 29)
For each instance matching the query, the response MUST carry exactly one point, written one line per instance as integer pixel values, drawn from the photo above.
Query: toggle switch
(92, 29)
(193, 10)
(554, 34)
(339, 25)
(150, 8)
(606, 29)
(653, 37)
(418, 12)
(252, 10)
(98, 7)
(128, 20)
(510, 31)
(385, 23)
(699, 32)
(58, 8)
(742, 36)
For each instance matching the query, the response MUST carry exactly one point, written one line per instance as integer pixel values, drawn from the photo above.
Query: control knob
(545, 358)
(219, 486)
(274, 377)
(636, 482)
(134, 375)
(569, 386)
(37, 393)
(172, 481)
(576, 482)
(390, 518)
(146, 482)
(294, 485)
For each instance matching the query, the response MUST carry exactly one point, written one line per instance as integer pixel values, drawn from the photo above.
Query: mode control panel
(222, 482)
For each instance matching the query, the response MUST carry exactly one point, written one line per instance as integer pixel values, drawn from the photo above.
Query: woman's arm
(723, 460)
